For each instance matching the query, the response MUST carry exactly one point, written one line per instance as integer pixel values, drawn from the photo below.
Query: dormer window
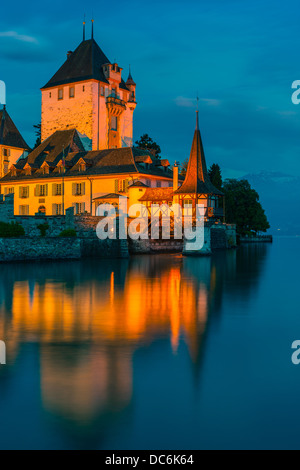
(82, 167)
(28, 171)
(13, 172)
(60, 94)
(6, 152)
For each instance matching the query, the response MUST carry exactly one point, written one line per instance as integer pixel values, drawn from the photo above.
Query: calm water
(158, 352)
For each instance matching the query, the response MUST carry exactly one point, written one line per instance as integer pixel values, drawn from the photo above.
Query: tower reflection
(89, 319)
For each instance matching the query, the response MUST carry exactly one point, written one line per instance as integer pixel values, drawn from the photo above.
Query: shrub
(11, 230)
(43, 229)
(68, 233)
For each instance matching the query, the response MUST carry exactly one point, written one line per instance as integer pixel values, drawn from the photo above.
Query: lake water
(158, 352)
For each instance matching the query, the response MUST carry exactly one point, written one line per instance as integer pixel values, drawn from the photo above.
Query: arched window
(42, 210)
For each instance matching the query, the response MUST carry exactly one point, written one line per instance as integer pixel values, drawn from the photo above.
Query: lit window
(71, 92)
(61, 94)
(114, 123)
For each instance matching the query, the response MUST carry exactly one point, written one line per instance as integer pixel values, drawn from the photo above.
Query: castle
(86, 157)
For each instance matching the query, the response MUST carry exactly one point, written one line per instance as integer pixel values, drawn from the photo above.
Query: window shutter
(83, 207)
(46, 189)
(74, 189)
(5, 191)
(126, 185)
(83, 188)
(53, 208)
(54, 189)
(20, 191)
(116, 186)
(37, 190)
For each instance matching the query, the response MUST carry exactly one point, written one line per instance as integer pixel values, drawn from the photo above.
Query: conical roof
(9, 134)
(85, 63)
(197, 180)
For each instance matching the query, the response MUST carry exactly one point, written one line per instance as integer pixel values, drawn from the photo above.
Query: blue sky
(240, 56)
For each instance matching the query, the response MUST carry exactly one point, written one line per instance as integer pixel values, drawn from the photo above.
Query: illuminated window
(60, 94)
(71, 92)
(114, 123)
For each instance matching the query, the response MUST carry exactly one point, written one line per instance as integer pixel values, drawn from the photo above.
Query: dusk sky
(240, 56)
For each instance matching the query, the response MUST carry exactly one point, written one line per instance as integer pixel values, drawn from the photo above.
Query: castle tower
(12, 144)
(197, 187)
(88, 93)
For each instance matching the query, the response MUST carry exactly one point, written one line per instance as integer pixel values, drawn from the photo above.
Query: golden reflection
(88, 329)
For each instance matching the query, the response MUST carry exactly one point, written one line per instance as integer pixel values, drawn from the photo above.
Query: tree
(38, 133)
(146, 142)
(243, 207)
(215, 176)
(184, 168)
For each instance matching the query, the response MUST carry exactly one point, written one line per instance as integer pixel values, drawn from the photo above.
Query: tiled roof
(99, 162)
(9, 134)
(85, 63)
(157, 194)
(109, 196)
(197, 180)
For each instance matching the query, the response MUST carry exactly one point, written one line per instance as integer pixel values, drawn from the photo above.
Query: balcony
(115, 101)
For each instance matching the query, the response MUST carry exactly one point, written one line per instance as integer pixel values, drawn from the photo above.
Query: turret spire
(84, 28)
(92, 29)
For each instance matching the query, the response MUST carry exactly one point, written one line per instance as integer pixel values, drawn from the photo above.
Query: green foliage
(38, 133)
(68, 233)
(215, 176)
(43, 229)
(146, 142)
(11, 230)
(184, 168)
(243, 207)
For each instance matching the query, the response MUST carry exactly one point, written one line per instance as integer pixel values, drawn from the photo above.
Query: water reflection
(88, 319)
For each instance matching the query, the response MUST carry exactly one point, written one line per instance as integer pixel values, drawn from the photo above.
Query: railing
(115, 100)
(215, 212)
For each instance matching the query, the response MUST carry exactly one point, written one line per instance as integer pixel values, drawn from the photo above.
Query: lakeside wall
(87, 244)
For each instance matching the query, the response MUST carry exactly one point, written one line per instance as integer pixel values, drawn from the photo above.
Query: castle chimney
(175, 177)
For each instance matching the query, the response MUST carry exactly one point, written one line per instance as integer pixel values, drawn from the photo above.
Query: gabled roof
(68, 144)
(9, 134)
(197, 180)
(52, 149)
(85, 63)
(157, 194)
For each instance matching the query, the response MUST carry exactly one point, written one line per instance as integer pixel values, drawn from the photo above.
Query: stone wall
(20, 249)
